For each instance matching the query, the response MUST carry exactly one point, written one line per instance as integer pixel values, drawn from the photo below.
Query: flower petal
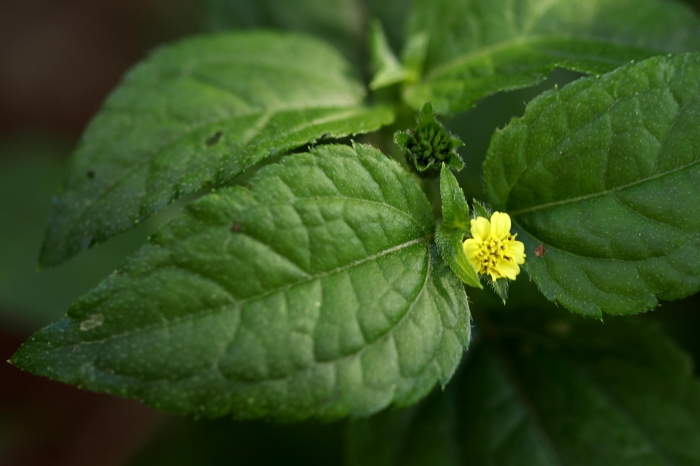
(480, 228)
(471, 247)
(500, 225)
(516, 250)
(507, 268)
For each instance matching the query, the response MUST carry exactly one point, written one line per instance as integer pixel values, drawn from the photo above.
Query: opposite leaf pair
(329, 254)
(319, 293)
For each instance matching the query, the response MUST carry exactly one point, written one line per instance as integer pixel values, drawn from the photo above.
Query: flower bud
(429, 144)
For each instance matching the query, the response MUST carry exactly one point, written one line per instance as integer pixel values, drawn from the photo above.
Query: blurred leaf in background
(31, 170)
(343, 23)
(184, 442)
(340, 22)
(544, 387)
(476, 126)
(392, 14)
(42, 422)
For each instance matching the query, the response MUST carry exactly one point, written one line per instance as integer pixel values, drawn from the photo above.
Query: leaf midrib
(612, 259)
(214, 310)
(239, 303)
(342, 268)
(571, 131)
(379, 206)
(532, 40)
(548, 205)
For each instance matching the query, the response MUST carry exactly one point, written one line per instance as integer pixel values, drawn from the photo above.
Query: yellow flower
(492, 249)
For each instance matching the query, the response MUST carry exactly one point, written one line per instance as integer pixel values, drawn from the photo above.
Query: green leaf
(343, 23)
(393, 15)
(480, 210)
(449, 236)
(542, 390)
(414, 54)
(500, 286)
(455, 210)
(386, 67)
(479, 47)
(449, 244)
(316, 293)
(195, 115)
(601, 179)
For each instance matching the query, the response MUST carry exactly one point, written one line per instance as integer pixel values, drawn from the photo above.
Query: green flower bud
(429, 144)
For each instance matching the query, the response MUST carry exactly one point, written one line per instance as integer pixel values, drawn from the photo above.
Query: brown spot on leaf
(540, 250)
(91, 174)
(236, 228)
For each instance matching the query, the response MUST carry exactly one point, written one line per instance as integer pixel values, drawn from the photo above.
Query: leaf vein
(602, 193)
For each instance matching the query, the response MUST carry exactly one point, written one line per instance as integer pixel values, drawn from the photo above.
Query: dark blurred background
(58, 61)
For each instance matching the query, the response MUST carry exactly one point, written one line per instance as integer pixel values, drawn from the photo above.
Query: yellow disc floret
(492, 249)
